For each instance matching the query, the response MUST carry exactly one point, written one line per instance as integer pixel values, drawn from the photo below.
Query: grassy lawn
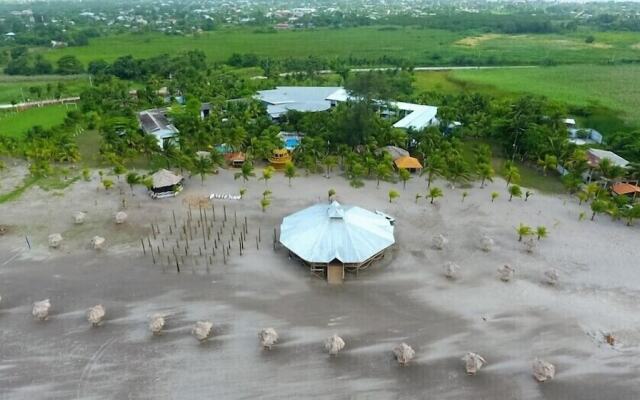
(611, 87)
(16, 88)
(16, 124)
(419, 45)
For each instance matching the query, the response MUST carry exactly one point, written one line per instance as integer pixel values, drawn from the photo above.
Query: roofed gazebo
(332, 238)
(165, 184)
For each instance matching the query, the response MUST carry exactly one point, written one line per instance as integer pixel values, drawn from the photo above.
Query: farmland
(16, 88)
(421, 46)
(15, 124)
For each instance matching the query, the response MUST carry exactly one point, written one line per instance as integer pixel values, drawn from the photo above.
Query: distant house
(205, 110)
(318, 98)
(155, 122)
(57, 44)
(584, 136)
(596, 155)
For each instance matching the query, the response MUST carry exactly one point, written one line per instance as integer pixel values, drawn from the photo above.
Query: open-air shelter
(165, 184)
(332, 238)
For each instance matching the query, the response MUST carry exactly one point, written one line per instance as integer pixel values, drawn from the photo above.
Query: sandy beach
(403, 298)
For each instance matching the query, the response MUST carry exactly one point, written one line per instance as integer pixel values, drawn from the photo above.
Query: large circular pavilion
(332, 238)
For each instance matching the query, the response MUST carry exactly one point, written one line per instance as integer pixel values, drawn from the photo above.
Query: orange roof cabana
(235, 159)
(621, 188)
(408, 162)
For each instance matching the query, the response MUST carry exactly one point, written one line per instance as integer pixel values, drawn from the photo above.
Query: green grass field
(16, 88)
(16, 124)
(611, 87)
(421, 46)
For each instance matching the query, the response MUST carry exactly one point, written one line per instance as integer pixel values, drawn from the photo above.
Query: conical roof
(164, 178)
(323, 233)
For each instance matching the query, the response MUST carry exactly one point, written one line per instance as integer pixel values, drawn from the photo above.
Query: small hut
(165, 184)
(279, 158)
(332, 239)
(235, 159)
(409, 163)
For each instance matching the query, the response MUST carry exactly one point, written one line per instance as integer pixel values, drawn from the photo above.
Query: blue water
(291, 143)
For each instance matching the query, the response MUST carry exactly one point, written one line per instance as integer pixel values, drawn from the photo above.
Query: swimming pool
(291, 143)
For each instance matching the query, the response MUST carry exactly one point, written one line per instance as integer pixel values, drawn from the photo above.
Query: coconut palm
(383, 172)
(330, 162)
(527, 194)
(246, 172)
(393, 195)
(404, 176)
(202, 166)
(598, 206)
(434, 168)
(290, 171)
(631, 213)
(133, 179)
(541, 232)
(486, 173)
(418, 197)
(523, 230)
(331, 193)
(265, 202)
(464, 195)
(512, 174)
(107, 183)
(582, 196)
(434, 193)
(514, 191)
(549, 162)
(243, 191)
(267, 173)
(494, 195)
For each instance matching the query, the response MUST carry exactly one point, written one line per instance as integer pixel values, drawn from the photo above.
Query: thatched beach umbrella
(97, 242)
(120, 217)
(473, 363)
(486, 243)
(79, 217)
(55, 240)
(543, 370)
(530, 244)
(333, 344)
(96, 314)
(268, 337)
(202, 330)
(156, 323)
(403, 353)
(506, 273)
(41, 309)
(551, 277)
(452, 270)
(439, 241)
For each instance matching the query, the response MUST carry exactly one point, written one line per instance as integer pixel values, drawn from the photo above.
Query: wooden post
(176, 258)
(153, 230)
(235, 218)
(144, 251)
(148, 241)
(257, 244)
(175, 224)
(224, 208)
(213, 212)
(152, 256)
(259, 235)
(29, 244)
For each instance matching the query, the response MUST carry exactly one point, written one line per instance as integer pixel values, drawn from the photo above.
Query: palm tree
(549, 162)
(541, 232)
(383, 172)
(512, 174)
(264, 203)
(418, 197)
(434, 193)
(133, 179)
(290, 171)
(598, 206)
(267, 173)
(527, 194)
(243, 191)
(515, 190)
(631, 213)
(523, 230)
(393, 195)
(202, 166)
(330, 162)
(464, 195)
(434, 168)
(107, 183)
(404, 176)
(246, 172)
(582, 196)
(486, 173)
(494, 195)
(331, 193)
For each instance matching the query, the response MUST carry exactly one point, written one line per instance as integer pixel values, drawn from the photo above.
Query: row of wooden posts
(178, 242)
